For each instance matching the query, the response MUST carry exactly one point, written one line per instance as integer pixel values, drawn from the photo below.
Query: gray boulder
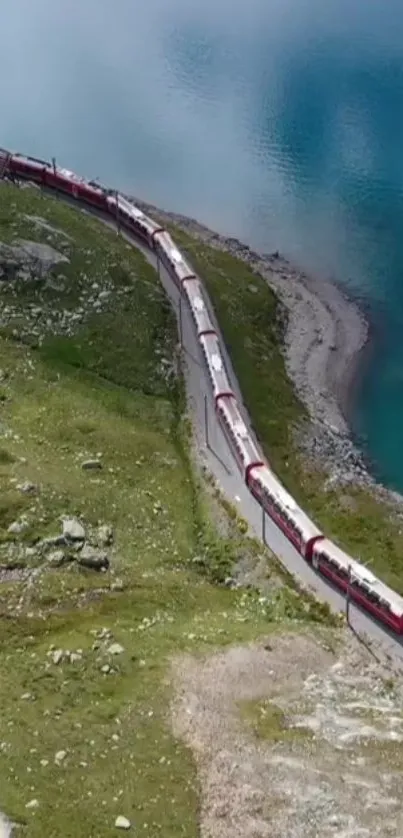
(93, 558)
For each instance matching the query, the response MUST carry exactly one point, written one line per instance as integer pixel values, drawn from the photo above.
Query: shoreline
(326, 345)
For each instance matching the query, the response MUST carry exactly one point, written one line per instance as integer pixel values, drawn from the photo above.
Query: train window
(333, 564)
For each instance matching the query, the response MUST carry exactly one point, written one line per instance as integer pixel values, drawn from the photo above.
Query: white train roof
(342, 559)
(69, 175)
(361, 574)
(211, 347)
(134, 212)
(229, 407)
(276, 490)
(195, 295)
(36, 160)
(182, 267)
(125, 205)
(170, 248)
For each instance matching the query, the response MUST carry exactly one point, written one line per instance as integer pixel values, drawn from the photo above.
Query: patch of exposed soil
(332, 766)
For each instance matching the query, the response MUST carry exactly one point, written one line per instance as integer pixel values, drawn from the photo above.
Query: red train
(324, 556)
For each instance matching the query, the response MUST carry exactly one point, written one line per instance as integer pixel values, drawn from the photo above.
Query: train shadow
(218, 458)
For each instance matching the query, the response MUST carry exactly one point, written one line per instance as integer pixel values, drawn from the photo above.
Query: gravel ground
(340, 779)
(5, 828)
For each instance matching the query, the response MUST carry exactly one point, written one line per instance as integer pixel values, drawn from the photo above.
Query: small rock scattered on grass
(73, 530)
(90, 557)
(115, 649)
(105, 535)
(18, 527)
(27, 488)
(91, 465)
(57, 656)
(122, 822)
(56, 558)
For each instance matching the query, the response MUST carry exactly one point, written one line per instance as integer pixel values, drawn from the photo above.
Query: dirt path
(335, 768)
(5, 828)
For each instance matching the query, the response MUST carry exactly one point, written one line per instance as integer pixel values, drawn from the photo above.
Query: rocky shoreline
(325, 338)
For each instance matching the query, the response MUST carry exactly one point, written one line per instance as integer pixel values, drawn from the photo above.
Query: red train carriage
(243, 447)
(215, 366)
(284, 511)
(365, 589)
(66, 181)
(133, 219)
(63, 180)
(178, 268)
(195, 296)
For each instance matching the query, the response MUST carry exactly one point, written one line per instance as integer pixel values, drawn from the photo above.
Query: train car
(365, 588)
(195, 296)
(28, 168)
(126, 214)
(243, 447)
(285, 512)
(215, 366)
(178, 268)
(45, 174)
(133, 218)
(68, 182)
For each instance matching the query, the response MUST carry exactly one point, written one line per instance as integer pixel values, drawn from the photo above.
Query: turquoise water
(278, 121)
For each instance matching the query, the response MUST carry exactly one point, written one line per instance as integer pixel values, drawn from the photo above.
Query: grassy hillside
(247, 313)
(91, 430)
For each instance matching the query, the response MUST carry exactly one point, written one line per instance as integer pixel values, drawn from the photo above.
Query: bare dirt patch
(292, 741)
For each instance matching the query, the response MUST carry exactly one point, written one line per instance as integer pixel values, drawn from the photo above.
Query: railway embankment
(114, 556)
(159, 673)
(295, 343)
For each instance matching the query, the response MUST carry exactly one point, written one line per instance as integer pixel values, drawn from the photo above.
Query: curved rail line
(231, 451)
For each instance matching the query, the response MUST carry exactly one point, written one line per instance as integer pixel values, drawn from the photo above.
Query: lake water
(278, 121)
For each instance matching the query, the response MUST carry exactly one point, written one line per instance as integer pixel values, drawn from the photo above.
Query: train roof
(362, 575)
(134, 211)
(232, 408)
(36, 160)
(126, 205)
(194, 292)
(272, 484)
(166, 240)
(70, 175)
(211, 346)
(182, 266)
(229, 405)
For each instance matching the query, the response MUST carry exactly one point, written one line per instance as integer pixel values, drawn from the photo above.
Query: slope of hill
(110, 547)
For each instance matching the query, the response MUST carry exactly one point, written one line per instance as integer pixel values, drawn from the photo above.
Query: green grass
(249, 318)
(101, 391)
(267, 721)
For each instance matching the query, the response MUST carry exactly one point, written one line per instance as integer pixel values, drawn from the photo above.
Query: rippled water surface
(280, 121)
